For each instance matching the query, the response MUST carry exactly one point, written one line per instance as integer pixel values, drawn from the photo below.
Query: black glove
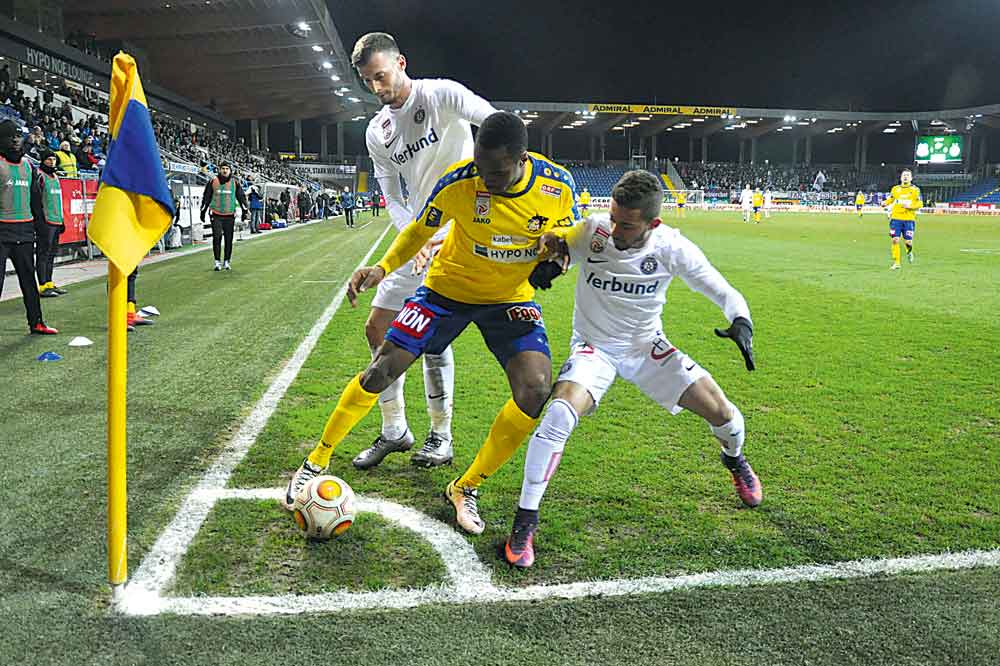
(741, 332)
(544, 273)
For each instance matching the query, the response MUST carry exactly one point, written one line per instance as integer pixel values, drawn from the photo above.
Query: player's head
(906, 177)
(10, 137)
(382, 67)
(501, 151)
(636, 200)
(225, 170)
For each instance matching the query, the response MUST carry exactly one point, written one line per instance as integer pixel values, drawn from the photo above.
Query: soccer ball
(324, 508)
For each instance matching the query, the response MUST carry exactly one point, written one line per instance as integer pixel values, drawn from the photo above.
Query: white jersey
(767, 199)
(620, 293)
(746, 197)
(420, 140)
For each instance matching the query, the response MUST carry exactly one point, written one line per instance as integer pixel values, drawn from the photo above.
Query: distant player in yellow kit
(584, 202)
(903, 203)
(859, 202)
(758, 202)
(682, 198)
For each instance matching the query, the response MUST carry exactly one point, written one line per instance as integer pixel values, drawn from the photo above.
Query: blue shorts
(680, 205)
(429, 322)
(902, 228)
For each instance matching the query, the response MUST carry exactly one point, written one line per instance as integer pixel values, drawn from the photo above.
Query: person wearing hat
(67, 160)
(20, 206)
(49, 225)
(221, 196)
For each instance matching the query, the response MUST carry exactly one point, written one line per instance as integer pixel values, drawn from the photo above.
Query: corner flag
(134, 207)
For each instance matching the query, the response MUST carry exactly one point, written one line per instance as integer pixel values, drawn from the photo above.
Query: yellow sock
(895, 252)
(130, 306)
(354, 404)
(509, 430)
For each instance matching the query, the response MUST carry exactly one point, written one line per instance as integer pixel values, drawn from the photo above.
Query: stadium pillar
(857, 151)
(264, 136)
(324, 142)
(652, 149)
(297, 133)
(982, 151)
(864, 152)
(967, 141)
(547, 145)
(753, 150)
(704, 149)
(690, 150)
(254, 134)
(743, 151)
(809, 149)
(340, 141)
(795, 151)
(593, 149)
(604, 147)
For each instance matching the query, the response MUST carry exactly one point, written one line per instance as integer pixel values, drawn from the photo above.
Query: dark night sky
(861, 56)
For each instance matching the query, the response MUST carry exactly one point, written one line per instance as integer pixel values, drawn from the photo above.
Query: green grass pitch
(873, 421)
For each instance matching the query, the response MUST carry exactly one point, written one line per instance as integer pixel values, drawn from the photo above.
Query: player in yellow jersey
(584, 202)
(682, 198)
(758, 202)
(903, 203)
(859, 202)
(500, 203)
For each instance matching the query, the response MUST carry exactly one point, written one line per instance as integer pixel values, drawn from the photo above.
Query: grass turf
(873, 423)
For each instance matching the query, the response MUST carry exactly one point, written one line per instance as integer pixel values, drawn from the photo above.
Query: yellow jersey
(859, 200)
(905, 201)
(758, 199)
(584, 198)
(682, 198)
(492, 245)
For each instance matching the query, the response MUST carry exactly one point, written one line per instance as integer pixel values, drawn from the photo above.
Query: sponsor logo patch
(482, 204)
(551, 190)
(433, 218)
(567, 221)
(662, 350)
(506, 255)
(535, 224)
(414, 320)
(648, 265)
(419, 116)
(386, 129)
(505, 240)
(524, 313)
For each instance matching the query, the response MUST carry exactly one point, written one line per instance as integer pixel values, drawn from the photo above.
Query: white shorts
(396, 288)
(658, 369)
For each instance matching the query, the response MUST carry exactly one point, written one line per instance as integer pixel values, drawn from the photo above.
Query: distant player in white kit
(767, 203)
(746, 202)
(422, 129)
(627, 260)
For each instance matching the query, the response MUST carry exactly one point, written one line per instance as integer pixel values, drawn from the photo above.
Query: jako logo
(413, 320)
(412, 149)
(614, 286)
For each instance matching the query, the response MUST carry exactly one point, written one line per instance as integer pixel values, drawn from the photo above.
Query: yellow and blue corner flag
(133, 207)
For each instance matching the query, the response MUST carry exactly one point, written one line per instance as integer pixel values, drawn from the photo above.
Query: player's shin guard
(393, 407)
(509, 429)
(439, 382)
(732, 433)
(355, 402)
(545, 449)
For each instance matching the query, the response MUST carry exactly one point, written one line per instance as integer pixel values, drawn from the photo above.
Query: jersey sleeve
(578, 236)
(388, 180)
(918, 202)
(687, 261)
(459, 100)
(432, 217)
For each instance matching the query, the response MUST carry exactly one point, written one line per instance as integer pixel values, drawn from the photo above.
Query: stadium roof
(266, 59)
(748, 123)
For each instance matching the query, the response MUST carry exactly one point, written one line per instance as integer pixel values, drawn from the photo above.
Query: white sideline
(159, 565)
(468, 579)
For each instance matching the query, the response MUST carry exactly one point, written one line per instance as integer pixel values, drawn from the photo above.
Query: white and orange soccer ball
(325, 508)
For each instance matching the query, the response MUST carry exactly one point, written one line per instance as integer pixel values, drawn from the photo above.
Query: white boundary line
(467, 578)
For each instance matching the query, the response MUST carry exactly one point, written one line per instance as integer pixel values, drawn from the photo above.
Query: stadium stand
(598, 180)
(987, 191)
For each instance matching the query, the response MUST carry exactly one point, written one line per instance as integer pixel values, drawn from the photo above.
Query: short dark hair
(503, 129)
(373, 42)
(639, 189)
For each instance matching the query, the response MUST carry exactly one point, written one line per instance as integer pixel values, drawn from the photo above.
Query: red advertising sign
(78, 203)
(959, 204)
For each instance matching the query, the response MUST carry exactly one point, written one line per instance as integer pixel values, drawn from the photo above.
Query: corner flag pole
(117, 380)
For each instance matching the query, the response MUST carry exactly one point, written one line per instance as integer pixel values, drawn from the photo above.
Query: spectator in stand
(35, 147)
(48, 225)
(321, 205)
(286, 201)
(85, 158)
(256, 208)
(221, 196)
(347, 201)
(5, 78)
(305, 205)
(20, 206)
(67, 161)
(376, 203)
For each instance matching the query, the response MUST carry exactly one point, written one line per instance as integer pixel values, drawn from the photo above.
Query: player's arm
(388, 180)
(889, 200)
(454, 97)
(553, 248)
(917, 202)
(690, 263)
(206, 199)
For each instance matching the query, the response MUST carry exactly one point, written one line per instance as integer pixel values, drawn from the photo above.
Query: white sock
(545, 451)
(439, 383)
(393, 407)
(732, 433)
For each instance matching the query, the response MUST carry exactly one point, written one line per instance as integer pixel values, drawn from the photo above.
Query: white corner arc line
(160, 563)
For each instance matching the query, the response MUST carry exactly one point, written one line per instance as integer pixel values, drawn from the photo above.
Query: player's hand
(424, 256)
(741, 332)
(544, 273)
(363, 278)
(553, 248)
